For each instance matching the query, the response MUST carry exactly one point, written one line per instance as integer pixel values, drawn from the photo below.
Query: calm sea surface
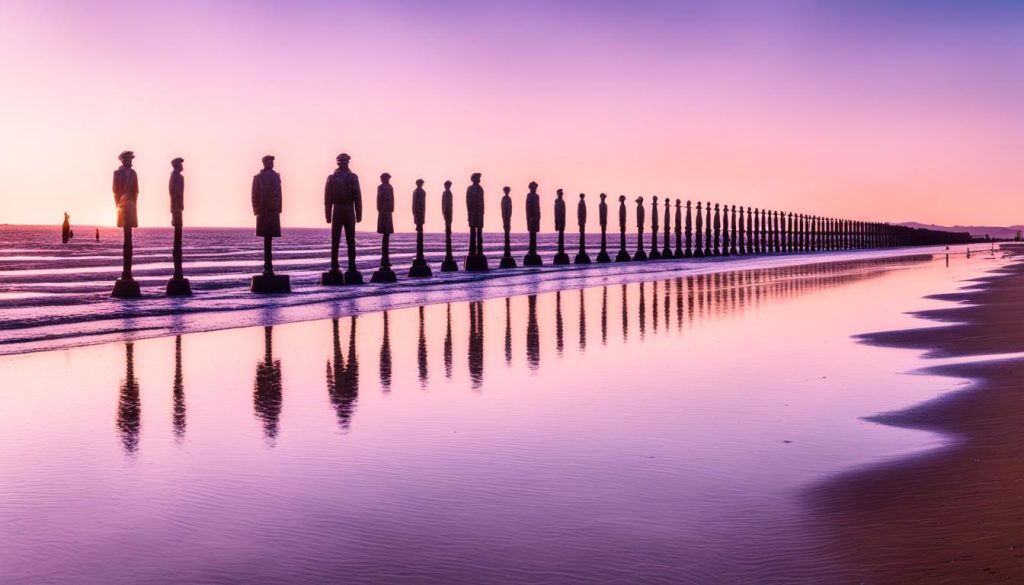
(655, 432)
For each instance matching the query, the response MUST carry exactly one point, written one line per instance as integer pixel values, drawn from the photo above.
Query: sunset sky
(888, 110)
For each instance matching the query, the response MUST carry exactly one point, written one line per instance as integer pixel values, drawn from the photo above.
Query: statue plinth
(532, 260)
(126, 288)
(270, 284)
(332, 278)
(655, 255)
(353, 277)
(603, 258)
(623, 256)
(582, 258)
(681, 254)
(640, 256)
(383, 276)
(420, 269)
(179, 287)
(561, 259)
(449, 265)
(507, 262)
(476, 263)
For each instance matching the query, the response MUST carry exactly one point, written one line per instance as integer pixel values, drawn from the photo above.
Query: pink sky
(869, 111)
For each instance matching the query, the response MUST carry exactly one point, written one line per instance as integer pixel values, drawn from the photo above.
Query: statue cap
(343, 157)
(125, 154)
(385, 175)
(267, 157)
(177, 160)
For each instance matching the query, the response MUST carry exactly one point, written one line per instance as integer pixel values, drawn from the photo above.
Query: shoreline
(954, 514)
(148, 318)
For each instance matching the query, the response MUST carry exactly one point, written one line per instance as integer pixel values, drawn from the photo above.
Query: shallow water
(648, 432)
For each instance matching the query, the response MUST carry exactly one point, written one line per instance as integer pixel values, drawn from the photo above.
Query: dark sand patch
(955, 515)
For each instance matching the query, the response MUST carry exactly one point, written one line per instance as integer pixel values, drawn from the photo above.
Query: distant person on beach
(343, 209)
(126, 194)
(266, 206)
(97, 234)
(65, 232)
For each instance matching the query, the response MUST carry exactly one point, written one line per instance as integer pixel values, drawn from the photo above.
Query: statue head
(419, 182)
(506, 189)
(385, 178)
(126, 158)
(559, 193)
(603, 196)
(654, 199)
(678, 202)
(582, 195)
(533, 186)
(176, 164)
(640, 199)
(475, 177)
(343, 160)
(447, 184)
(268, 162)
(622, 198)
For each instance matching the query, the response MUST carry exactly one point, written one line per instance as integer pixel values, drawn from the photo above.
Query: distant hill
(978, 231)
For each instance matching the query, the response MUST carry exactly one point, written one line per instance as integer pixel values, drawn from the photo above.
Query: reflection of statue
(343, 209)
(640, 254)
(475, 352)
(129, 405)
(532, 334)
(559, 330)
(266, 399)
(266, 206)
(448, 264)
(448, 342)
(625, 313)
(385, 358)
(507, 261)
(126, 194)
(342, 377)
(623, 255)
(655, 252)
(604, 315)
(421, 352)
(178, 392)
(583, 322)
(602, 214)
(581, 218)
(508, 331)
(666, 252)
(385, 227)
(419, 268)
(700, 231)
(476, 261)
(532, 226)
(679, 230)
(178, 285)
(561, 257)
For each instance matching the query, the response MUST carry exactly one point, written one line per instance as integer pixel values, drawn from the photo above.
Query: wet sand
(955, 515)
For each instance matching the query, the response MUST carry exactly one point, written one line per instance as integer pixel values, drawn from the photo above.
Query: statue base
(353, 277)
(655, 255)
(270, 284)
(623, 256)
(383, 276)
(581, 258)
(449, 265)
(476, 263)
(668, 254)
(680, 254)
(126, 288)
(179, 287)
(602, 257)
(420, 269)
(332, 278)
(640, 256)
(532, 260)
(561, 259)
(507, 262)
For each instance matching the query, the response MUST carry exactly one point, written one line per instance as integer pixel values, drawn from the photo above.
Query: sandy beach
(955, 515)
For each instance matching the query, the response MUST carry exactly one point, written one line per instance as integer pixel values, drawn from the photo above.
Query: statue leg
(126, 266)
(583, 245)
(350, 244)
(335, 242)
(419, 242)
(472, 241)
(268, 263)
(177, 252)
(508, 243)
(385, 260)
(480, 240)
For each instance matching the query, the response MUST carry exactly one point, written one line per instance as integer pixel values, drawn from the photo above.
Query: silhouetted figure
(475, 351)
(623, 255)
(679, 228)
(343, 377)
(507, 261)
(419, 268)
(385, 358)
(266, 206)
(718, 230)
(666, 251)
(655, 252)
(726, 229)
(448, 342)
(750, 230)
(178, 393)
(66, 233)
(385, 227)
(476, 261)
(708, 249)
(742, 244)
(343, 209)
(178, 285)
(581, 218)
(561, 257)
(447, 206)
(732, 231)
(97, 234)
(532, 226)
(700, 232)
(640, 254)
(267, 390)
(602, 216)
(126, 194)
(532, 334)
(129, 405)
(421, 352)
